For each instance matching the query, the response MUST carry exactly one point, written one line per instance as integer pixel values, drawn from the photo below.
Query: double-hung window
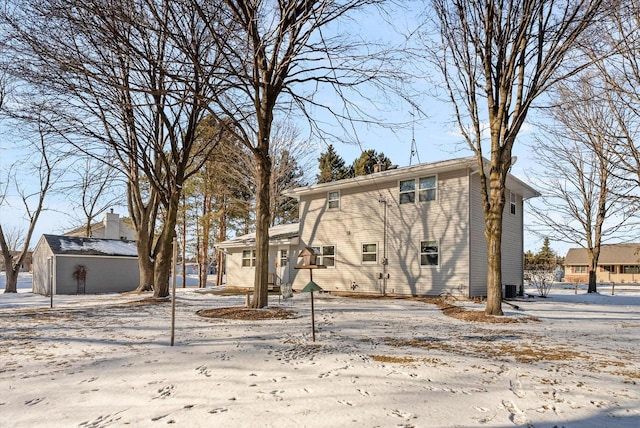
(427, 189)
(512, 202)
(407, 191)
(333, 200)
(284, 259)
(369, 253)
(326, 255)
(429, 253)
(248, 258)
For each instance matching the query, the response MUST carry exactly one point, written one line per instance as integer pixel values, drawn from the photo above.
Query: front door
(283, 265)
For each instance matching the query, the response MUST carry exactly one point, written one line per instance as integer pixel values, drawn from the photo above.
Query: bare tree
(127, 76)
(496, 59)
(42, 163)
(583, 194)
(96, 186)
(278, 54)
(618, 64)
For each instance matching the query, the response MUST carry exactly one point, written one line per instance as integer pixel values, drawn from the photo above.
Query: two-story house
(416, 230)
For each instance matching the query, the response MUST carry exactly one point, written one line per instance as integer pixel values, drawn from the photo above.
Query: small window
(579, 269)
(333, 200)
(284, 258)
(427, 189)
(630, 269)
(326, 255)
(512, 199)
(407, 191)
(429, 252)
(369, 253)
(248, 258)
(607, 268)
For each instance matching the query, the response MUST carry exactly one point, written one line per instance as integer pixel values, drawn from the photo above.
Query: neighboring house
(26, 265)
(111, 227)
(240, 256)
(617, 263)
(74, 265)
(417, 230)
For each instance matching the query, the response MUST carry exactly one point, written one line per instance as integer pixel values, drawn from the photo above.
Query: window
(248, 258)
(407, 191)
(512, 199)
(369, 253)
(607, 268)
(284, 259)
(333, 200)
(630, 269)
(429, 251)
(427, 189)
(579, 269)
(326, 255)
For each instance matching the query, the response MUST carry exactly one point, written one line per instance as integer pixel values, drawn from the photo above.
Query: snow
(103, 246)
(93, 361)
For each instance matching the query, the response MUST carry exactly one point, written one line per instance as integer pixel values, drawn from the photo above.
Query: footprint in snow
(363, 392)
(516, 387)
(516, 416)
(218, 410)
(33, 401)
(165, 391)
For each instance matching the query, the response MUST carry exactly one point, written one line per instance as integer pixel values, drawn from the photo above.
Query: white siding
(360, 220)
(512, 238)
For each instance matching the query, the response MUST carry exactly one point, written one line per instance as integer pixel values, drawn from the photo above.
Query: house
(617, 263)
(416, 230)
(240, 256)
(26, 265)
(75, 265)
(111, 227)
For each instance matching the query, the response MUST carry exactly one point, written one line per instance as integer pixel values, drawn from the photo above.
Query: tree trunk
(11, 277)
(260, 291)
(203, 250)
(145, 264)
(164, 245)
(222, 236)
(493, 235)
(592, 282)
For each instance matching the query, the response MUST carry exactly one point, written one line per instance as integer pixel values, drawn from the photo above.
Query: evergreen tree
(287, 174)
(367, 161)
(332, 166)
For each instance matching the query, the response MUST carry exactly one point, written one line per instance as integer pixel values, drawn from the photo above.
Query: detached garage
(74, 265)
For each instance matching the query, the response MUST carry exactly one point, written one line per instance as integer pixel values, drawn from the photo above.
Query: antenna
(414, 147)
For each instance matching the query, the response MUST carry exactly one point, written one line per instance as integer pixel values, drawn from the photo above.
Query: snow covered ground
(97, 361)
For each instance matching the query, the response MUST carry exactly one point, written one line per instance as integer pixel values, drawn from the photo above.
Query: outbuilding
(75, 265)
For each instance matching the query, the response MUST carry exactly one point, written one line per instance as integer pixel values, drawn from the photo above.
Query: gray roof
(74, 245)
(610, 254)
(393, 174)
(283, 233)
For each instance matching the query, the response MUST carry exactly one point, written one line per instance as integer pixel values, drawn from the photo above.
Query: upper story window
(369, 253)
(512, 202)
(333, 200)
(429, 253)
(407, 191)
(426, 187)
(326, 255)
(284, 259)
(248, 258)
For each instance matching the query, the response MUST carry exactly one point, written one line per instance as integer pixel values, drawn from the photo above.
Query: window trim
(321, 256)
(435, 187)
(438, 252)
(329, 200)
(401, 192)
(368, 253)
(284, 261)
(513, 201)
(251, 258)
(580, 269)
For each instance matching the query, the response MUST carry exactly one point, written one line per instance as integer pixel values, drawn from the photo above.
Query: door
(283, 265)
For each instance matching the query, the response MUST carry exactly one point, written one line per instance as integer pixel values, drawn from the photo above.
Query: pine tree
(367, 161)
(332, 166)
